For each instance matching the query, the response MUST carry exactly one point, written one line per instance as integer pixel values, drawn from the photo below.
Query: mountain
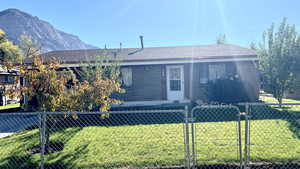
(15, 23)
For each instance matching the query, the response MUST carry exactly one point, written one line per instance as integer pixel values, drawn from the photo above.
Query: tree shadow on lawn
(21, 158)
(65, 160)
(294, 125)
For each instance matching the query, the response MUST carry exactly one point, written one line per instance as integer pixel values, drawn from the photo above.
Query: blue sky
(161, 22)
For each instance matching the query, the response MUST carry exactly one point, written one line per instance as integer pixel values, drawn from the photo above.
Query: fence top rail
(109, 112)
(262, 104)
(215, 106)
(19, 113)
(205, 106)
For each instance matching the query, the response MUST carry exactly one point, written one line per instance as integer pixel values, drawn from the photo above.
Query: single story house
(161, 75)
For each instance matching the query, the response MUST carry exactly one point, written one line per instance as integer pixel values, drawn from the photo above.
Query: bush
(228, 91)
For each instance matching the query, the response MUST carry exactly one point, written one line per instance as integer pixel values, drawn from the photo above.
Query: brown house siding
(250, 76)
(198, 90)
(246, 70)
(149, 81)
(187, 82)
(147, 84)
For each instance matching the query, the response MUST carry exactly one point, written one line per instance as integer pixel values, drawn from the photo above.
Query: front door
(175, 82)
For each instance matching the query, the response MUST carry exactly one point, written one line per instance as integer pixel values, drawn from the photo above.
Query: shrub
(228, 91)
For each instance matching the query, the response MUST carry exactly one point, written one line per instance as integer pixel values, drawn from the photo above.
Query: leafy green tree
(47, 87)
(88, 70)
(9, 54)
(46, 90)
(8, 51)
(279, 54)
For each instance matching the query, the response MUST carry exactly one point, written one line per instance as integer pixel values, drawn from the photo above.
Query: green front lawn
(10, 106)
(148, 145)
(101, 147)
(269, 98)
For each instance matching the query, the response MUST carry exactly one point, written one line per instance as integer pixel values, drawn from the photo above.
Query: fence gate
(216, 136)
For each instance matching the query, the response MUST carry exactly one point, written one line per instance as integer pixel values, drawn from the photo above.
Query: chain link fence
(252, 135)
(117, 139)
(217, 135)
(249, 135)
(19, 132)
(272, 136)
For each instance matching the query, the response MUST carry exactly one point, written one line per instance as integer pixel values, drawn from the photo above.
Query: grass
(150, 145)
(151, 141)
(10, 106)
(101, 147)
(269, 98)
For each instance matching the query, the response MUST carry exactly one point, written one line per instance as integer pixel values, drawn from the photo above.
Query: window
(216, 71)
(203, 73)
(9, 79)
(175, 79)
(126, 75)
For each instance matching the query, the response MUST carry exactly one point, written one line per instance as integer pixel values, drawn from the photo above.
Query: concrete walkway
(3, 135)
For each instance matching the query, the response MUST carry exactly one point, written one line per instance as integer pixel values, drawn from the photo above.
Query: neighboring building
(167, 74)
(8, 79)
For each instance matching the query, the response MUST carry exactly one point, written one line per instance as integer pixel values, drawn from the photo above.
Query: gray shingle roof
(155, 53)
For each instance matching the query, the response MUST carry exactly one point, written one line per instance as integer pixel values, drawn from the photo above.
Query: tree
(9, 54)
(8, 51)
(29, 47)
(47, 88)
(221, 39)
(279, 55)
(90, 72)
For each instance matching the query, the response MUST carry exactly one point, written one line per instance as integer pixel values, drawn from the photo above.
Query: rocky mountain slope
(15, 23)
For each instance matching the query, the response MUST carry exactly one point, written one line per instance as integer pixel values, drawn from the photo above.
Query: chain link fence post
(247, 136)
(42, 138)
(240, 139)
(194, 144)
(186, 138)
